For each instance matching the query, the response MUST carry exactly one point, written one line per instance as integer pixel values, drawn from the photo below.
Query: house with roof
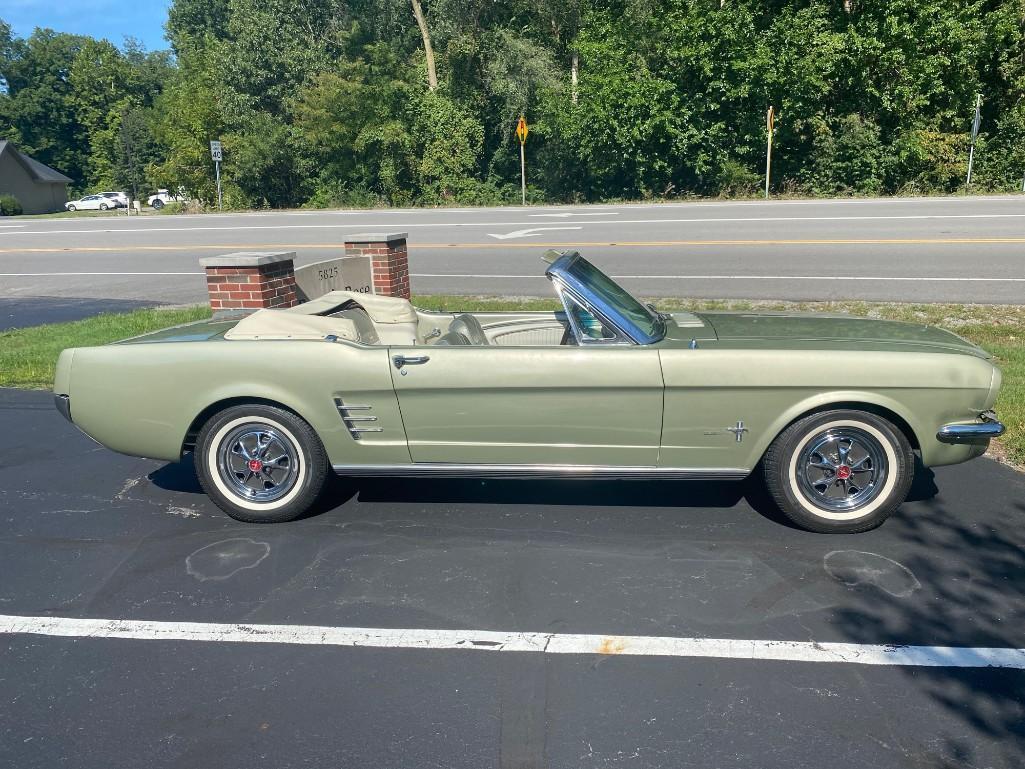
(39, 188)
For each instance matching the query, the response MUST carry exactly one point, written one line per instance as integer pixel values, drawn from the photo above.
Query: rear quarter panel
(141, 399)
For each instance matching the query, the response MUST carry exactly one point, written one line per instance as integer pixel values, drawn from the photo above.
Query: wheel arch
(873, 404)
(192, 434)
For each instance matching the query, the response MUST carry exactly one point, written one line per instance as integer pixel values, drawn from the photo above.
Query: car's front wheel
(839, 471)
(261, 464)
(71, 207)
(157, 204)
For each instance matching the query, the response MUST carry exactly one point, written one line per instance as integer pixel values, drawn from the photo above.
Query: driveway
(92, 534)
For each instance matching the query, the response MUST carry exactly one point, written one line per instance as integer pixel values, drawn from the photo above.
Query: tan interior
(371, 320)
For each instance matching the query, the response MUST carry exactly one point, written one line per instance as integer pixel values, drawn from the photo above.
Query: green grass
(27, 356)
(73, 214)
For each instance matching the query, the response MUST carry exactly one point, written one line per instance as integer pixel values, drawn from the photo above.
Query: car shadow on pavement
(177, 476)
(181, 477)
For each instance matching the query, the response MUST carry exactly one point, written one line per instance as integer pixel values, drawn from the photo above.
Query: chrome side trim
(456, 470)
(974, 432)
(351, 422)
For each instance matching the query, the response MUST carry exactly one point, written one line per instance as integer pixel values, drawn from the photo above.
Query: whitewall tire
(840, 471)
(261, 463)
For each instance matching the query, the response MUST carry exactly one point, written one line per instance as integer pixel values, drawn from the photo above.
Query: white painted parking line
(513, 641)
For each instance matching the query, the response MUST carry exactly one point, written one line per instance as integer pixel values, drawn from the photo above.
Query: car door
(589, 405)
(90, 202)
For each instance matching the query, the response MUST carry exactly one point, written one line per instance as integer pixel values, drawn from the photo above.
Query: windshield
(648, 323)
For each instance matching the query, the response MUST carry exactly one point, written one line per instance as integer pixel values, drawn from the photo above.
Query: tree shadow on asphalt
(972, 571)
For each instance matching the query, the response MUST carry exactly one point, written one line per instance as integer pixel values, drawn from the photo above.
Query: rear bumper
(980, 431)
(63, 405)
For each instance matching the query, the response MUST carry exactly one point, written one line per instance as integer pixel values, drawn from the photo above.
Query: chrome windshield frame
(566, 283)
(566, 296)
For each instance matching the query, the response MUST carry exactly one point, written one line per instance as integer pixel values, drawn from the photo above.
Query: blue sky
(110, 19)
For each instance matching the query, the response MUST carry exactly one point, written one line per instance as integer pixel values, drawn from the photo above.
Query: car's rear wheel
(103, 206)
(261, 464)
(158, 204)
(839, 471)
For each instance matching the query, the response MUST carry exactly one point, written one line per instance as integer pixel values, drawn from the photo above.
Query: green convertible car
(831, 410)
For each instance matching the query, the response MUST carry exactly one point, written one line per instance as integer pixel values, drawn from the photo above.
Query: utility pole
(770, 121)
(521, 134)
(976, 122)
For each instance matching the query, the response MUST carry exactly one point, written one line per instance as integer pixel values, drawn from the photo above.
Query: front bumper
(980, 431)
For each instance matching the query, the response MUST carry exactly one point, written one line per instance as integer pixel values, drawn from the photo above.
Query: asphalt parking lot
(89, 533)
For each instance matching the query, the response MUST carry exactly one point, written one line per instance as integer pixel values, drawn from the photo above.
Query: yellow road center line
(535, 244)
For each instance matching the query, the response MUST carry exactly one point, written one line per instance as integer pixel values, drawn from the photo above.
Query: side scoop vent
(354, 418)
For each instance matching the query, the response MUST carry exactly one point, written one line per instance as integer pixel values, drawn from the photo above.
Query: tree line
(401, 102)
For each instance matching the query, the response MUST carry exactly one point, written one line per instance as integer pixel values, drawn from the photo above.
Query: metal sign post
(521, 134)
(770, 122)
(976, 122)
(217, 155)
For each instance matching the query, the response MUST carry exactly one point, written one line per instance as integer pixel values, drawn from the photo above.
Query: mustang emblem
(738, 430)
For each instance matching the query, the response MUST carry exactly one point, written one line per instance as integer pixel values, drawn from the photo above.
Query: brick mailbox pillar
(250, 280)
(389, 260)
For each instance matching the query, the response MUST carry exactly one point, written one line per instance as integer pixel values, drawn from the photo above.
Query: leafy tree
(38, 112)
(328, 102)
(187, 117)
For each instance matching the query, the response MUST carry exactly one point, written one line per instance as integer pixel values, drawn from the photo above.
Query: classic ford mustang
(830, 410)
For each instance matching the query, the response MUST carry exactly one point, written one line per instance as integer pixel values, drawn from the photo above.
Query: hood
(806, 329)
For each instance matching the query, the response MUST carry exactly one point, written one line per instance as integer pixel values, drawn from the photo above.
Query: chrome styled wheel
(842, 469)
(839, 471)
(261, 463)
(258, 463)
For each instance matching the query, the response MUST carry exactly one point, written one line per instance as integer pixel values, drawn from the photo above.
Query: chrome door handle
(402, 360)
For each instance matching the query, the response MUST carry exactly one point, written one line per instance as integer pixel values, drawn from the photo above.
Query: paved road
(88, 533)
(964, 249)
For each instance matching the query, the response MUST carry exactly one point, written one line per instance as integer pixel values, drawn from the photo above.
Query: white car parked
(162, 198)
(120, 197)
(92, 203)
